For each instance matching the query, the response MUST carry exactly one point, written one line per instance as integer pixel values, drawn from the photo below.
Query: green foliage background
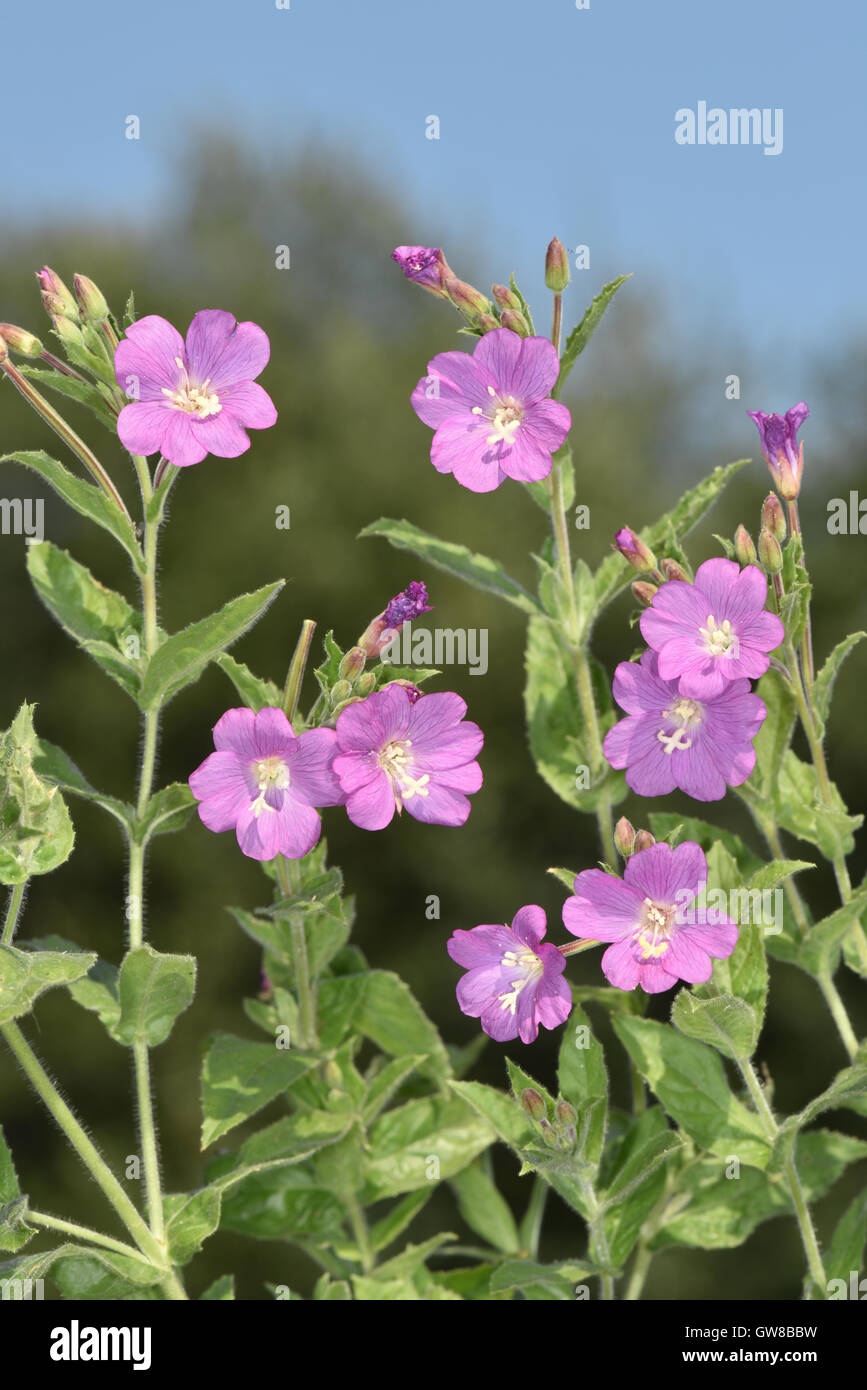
(349, 341)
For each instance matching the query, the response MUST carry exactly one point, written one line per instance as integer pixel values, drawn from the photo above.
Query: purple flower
(491, 411)
(425, 265)
(785, 457)
(671, 741)
(264, 783)
(514, 980)
(713, 631)
(396, 752)
(647, 916)
(405, 607)
(196, 398)
(633, 549)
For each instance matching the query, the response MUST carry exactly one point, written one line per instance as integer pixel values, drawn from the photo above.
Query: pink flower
(491, 412)
(197, 398)
(647, 915)
(264, 783)
(514, 981)
(713, 631)
(397, 751)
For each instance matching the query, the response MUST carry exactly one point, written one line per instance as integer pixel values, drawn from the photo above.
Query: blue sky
(552, 119)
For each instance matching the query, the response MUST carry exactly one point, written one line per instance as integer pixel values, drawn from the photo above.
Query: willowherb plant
(358, 1153)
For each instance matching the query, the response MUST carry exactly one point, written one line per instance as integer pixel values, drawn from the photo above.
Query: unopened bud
(643, 840)
(514, 319)
(469, 300)
(340, 691)
(19, 340)
(533, 1104)
(487, 323)
(745, 547)
(644, 592)
(90, 298)
(68, 332)
(365, 683)
(4, 351)
(672, 570)
(352, 664)
(505, 298)
(332, 1073)
(624, 836)
(57, 298)
(338, 709)
(556, 266)
(770, 553)
(566, 1114)
(773, 517)
(549, 1135)
(633, 549)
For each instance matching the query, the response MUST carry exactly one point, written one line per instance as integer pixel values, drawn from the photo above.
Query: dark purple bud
(633, 549)
(784, 455)
(533, 1104)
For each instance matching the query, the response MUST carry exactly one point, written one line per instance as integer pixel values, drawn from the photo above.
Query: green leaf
(190, 1218)
(454, 559)
(583, 1082)
(14, 1231)
(538, 1281)
(728, 1024)
(386, 1083)
(799, 808)
(558, 739)
(770, 875)
(257, 694)
(848, 1090)
(824, 684)
(484, 1209)
(580, 336)
(820, 952)
(504, 1113)
(84, 498)
(391, 1017)
(81, 1272)
(153, 990)
(81, 391)
(240, 1077)
(52, 764)
(846, 1251)
(689, 1080)
(419, 1143)
(398, 1218)
(168, 810)
(282, 1204)
(24, 975)
(222, 1290)
(332, 1290)
(97, 990)
(615, 573)
(183, 657)
(638, 1181)
(36, 833)
(773, 738)
(99, 620)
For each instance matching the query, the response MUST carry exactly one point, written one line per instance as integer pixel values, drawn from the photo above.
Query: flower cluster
(691, 715)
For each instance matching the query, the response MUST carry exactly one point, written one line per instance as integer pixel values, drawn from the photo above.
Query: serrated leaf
(727, 1023)
(24, 975)
(52, 763)
(83, 392)
(256, 693)
(581, 334)
(14, 1231)
(583, 1082)
(539, 1281)
(421, 1142)
(153, 990)
(282, 1203)
(240, 1077)
(392, 1018)
(97, 989)
(183, 657)
(84, 498)
(398, 1218)
(190, 1218)
(485, 1210)
(820, 952)
(221, 1291)
(168, 810)
(846, 1251)
(823, 686)
(454, 559)
(386, 1083)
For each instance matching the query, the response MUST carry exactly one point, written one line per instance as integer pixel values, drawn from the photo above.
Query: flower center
(193, 398)
(396, 762)
(269, 773)
(505, 418)
(718, 637)
(654, 932)
(685, 714)
(530, 964)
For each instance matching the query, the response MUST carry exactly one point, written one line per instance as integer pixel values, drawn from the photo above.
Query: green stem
(288, 878)
(640, 1268)
(531, 1225)
(86, 1150)
(297, 667)
(16, 897)
(802, 1211)
(359, 1230)
(807, 638)
(838, 1013)
(599, 1247)
(71, 1228)
(147, 1130)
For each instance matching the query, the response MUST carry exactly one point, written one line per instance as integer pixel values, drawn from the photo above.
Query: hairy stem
(86, 1233)
(288, 878)
(16, 897)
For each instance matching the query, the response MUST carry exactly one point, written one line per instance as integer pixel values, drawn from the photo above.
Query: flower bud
(19, 340)
(566, 1114)
(643, 840)
(644, 592)
(338, 709)
(505, 298)
(514, 319)
(783, 453)
(4, 351)
(68, 332)
(624, 836)
(633, 549)
(425, 266)
(672, 570)
(365, 684)
(745, 547)
(340, 691)
(773, 518)
(770, 553)
(90, 297)
(549, 1135)
(466, 298)
(533, 1104)
(487, 323)
(403, 608)
(352, 664)
(556, 266)
(56, 297)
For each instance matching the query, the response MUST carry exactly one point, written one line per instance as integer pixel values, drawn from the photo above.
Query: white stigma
(684, 713)
(396, 762)
(505, 418)
(193, 398)
(655, 930)
(530, 964)
(718, 637)
(269, 772)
